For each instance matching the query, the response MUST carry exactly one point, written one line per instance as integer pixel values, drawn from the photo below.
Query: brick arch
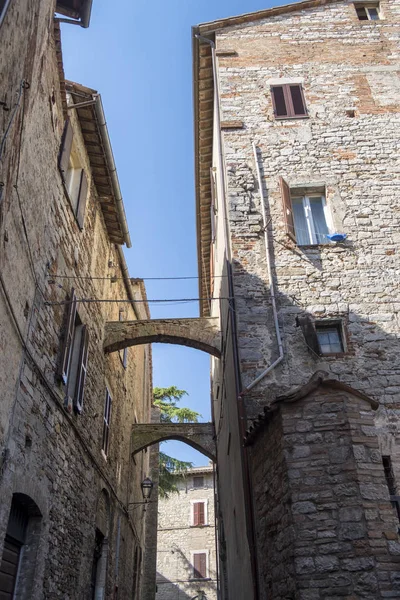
(201, 333)
(200, 436)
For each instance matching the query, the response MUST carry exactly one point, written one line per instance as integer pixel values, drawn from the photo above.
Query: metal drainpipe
(242, 418)
(271, 283)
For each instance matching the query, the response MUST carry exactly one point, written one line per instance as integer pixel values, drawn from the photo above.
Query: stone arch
(200, 333)
(200, 436)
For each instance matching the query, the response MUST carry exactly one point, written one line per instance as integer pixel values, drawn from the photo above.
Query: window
(21, 547)
(106, 423)
(199, 514)
(368, 12)
(3, 7)
(329, 338)
(198, 482)
(123, 354)
(322, 337)
(288, 101)
(73, 176)
(200, 565)
(391, 483)
(74, 356)
(306, 216)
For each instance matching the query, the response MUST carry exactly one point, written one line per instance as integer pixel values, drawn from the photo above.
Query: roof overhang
(98, 147)
(78, 11)
(203, 95)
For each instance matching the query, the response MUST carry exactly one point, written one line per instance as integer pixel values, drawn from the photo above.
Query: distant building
(186, 562)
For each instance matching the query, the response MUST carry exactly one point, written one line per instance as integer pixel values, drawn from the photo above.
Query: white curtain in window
(300, 222)
(318, 215)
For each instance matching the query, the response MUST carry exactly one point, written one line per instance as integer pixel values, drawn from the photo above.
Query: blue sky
(138, 56)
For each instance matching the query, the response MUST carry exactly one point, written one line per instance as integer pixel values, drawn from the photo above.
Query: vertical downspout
(240, 402)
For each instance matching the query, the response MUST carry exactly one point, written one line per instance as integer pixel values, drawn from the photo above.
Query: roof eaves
(211, 26)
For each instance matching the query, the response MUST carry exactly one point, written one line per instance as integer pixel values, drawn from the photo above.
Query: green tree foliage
(172, 470)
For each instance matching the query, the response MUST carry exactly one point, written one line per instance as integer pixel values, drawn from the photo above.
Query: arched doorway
(21, 544)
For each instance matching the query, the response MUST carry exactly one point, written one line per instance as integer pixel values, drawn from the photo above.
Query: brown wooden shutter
(279, 101)
(287, 208)
(196, 513)
(297, 100)
(66, 352)
(65, 150)
(200, 565)
(82, 197)
(82, 370)
(310, 335)
(201, 514)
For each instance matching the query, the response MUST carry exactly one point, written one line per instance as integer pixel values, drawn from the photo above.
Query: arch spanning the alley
(200, 333)
(201, 436)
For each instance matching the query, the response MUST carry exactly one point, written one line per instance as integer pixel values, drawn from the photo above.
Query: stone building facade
(296, 118)
(186, 556)
(68, 482)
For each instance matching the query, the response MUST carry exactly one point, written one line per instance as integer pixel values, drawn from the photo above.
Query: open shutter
(82, 197)
(287, 208)
(65, 150)
(279, 101)
(82, 370)
(196, 513)
(310, 335)
(65, 360)
(297, 100)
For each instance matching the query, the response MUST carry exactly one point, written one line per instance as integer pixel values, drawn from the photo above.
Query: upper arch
(200, 333)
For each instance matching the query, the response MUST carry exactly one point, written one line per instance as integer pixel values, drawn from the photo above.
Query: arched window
(17, 567)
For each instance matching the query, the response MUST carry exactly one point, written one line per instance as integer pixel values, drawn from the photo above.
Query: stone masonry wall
(178, 539)
(336, 519)
(54, 457)
(346, 67)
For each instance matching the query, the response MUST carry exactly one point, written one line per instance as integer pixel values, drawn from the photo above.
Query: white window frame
(366, 6)
(199, 501)
(107, 423)
(207, 553)
(308, 216)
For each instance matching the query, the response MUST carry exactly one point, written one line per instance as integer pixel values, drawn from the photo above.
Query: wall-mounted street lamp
(147, 488)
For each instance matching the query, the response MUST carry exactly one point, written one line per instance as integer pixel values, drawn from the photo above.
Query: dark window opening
(288, 101)
(98, 547)
(368, 12)
(106, 423)
(391, 483)
(198, 482)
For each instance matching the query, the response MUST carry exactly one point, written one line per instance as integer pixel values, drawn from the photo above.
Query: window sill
(200, 579)
(294, 118)
(199, 526)
(312, 246)
(334, 354)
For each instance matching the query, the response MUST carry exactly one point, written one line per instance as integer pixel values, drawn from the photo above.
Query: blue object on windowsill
(336, 237)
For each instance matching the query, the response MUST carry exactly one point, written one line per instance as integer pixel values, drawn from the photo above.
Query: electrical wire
(112, 278)
(124, 300)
